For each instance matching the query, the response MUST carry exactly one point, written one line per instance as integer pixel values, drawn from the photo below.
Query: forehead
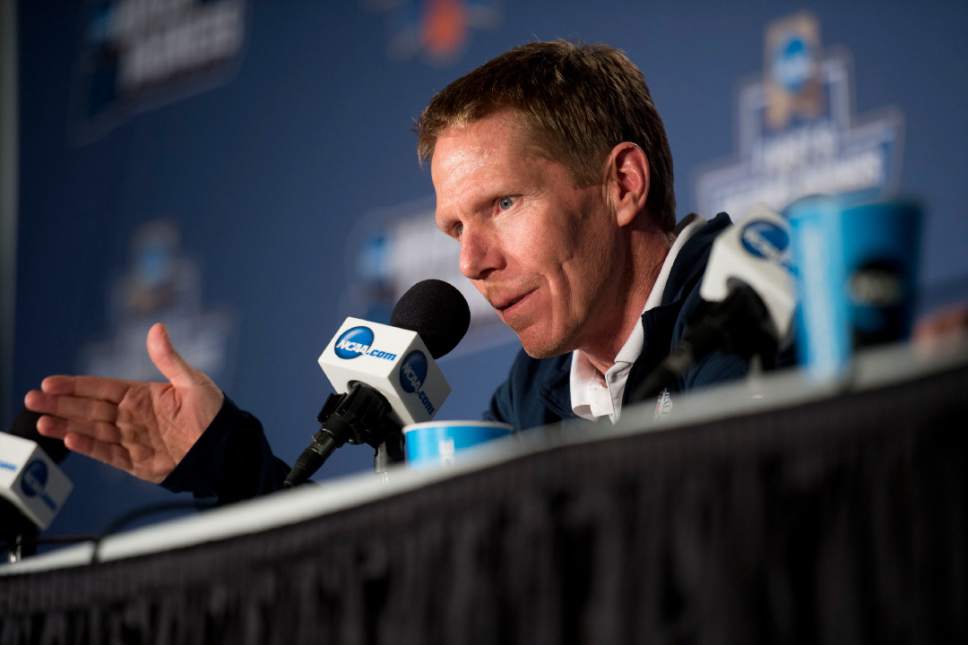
(502, 132)
(496, 146)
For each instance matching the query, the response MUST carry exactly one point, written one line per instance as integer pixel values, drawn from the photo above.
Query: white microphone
(749, 297)
(393, 361)
(755, 253)
(385, 376)
(30, 481)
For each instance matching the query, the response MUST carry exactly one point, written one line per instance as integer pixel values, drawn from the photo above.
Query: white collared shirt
(590, 397)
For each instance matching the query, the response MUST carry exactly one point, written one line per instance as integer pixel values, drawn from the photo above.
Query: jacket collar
(658, 323)
(691, 261)
(555, 391)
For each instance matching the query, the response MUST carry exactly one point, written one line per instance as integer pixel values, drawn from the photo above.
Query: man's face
(544, 252)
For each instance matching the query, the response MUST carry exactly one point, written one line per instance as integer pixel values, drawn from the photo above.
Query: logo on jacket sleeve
(663, 404)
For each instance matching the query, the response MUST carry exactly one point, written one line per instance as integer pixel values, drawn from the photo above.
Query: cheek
(552, 246)
(530, 249)
(546, 243)
(589, 268)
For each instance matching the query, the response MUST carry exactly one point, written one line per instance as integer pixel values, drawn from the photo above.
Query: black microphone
(437, 311)
(382, 377)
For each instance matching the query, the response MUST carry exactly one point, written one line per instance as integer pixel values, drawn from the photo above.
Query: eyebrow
(477, 206)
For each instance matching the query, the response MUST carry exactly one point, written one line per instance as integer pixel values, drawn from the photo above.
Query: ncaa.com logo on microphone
(413, 373)
(768, 241)
(358, 341)
(33, 483)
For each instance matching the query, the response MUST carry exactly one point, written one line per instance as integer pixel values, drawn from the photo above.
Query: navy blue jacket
(232, 459)
(537, 392)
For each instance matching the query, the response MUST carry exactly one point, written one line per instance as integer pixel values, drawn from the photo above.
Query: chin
(537, 345)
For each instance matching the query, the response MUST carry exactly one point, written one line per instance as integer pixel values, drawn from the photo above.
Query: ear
(627, 182)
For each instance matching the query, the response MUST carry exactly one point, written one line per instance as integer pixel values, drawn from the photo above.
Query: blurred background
(246, 171)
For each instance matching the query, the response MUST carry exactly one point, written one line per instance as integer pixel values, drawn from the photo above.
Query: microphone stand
(18, 535)
(360, 415)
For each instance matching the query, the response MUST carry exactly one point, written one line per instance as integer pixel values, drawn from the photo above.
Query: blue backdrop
(244, 198)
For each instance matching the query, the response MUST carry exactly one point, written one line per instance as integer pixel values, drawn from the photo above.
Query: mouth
(506, 306)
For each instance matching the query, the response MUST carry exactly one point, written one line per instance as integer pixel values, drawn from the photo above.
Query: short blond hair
(579, 102)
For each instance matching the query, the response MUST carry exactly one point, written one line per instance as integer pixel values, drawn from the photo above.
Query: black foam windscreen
(437, 311)
(25, 426)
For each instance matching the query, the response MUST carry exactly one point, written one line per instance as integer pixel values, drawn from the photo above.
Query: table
(777, 510)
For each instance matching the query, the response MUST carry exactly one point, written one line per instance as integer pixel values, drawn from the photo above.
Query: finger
(162, 353)
(35, 400)
(70, 407)
(90, 387)
(52, 427)
(110, 453)
(59, 428)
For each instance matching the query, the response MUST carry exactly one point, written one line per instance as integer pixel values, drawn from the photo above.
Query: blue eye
(505, 203)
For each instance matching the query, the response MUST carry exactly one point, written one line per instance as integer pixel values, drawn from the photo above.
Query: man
(552, 170)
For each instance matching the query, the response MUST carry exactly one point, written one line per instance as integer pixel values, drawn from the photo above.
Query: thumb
(162, 353)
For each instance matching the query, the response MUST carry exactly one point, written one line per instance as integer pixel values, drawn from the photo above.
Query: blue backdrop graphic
(269, 170)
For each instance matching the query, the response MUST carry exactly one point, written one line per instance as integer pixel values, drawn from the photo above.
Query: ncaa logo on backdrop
(792, 63)
(797, 132)
(161, 282)
(413, 373)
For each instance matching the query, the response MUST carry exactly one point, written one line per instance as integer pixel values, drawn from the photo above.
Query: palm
(143, 428)
(158, 423)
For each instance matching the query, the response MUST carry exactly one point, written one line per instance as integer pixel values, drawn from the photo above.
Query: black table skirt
(836, 521)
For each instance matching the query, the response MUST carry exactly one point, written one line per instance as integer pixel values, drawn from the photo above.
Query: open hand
(143, 428)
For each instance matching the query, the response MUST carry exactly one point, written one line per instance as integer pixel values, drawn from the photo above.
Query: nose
(479, 255)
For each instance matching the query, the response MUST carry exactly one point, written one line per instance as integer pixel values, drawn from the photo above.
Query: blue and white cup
(439, 442)
(856, 277)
